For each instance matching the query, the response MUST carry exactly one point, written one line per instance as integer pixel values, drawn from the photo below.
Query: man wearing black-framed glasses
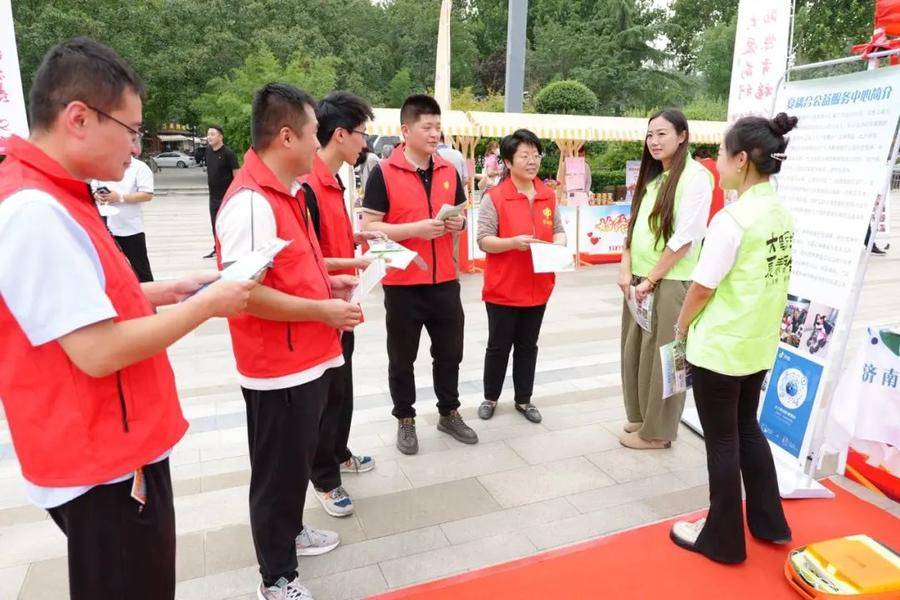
(82, 341)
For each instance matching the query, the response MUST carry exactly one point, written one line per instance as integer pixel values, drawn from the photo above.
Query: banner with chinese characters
(837, 170)
(12, 99)
(864, 420)
(760, 56)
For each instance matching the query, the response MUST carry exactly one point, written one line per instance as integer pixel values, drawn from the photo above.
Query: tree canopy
(202, 60)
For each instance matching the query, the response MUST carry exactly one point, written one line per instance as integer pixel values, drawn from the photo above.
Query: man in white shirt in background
(456, 157)
(127, 226)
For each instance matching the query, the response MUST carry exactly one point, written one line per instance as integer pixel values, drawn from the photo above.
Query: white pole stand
(795, 484)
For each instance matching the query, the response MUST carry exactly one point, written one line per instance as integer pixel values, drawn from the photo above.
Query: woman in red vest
(519, 211)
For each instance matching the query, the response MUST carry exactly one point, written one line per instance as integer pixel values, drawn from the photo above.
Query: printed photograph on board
(792, 321)
(817, 330)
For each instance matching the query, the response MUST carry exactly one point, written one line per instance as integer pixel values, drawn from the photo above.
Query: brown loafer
(636, 442)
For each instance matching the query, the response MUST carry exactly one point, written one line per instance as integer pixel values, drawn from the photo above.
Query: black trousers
(282, 433)
(135, 248)
(334, 431)
(215, 201)
(516, 328)
(116, 547)
(438, 308)
(736, 447)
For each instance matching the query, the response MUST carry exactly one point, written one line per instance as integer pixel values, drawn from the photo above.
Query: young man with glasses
(342, 134)
(287, 346)
(87, 388)
(403, 196)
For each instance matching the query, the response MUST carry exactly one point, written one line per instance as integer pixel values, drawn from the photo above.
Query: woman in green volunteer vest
(668, 222)
(731, 319)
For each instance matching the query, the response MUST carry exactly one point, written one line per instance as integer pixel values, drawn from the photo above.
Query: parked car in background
(174, 159)
(377, 141)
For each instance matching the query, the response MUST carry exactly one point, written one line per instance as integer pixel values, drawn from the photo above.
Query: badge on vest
(446, 185)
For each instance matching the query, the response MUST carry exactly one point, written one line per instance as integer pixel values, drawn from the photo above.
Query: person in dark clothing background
(221, 166)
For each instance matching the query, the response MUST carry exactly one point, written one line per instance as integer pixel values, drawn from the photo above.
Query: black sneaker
(877, 250)
(407, 440)
(456, 427)
(211, 254)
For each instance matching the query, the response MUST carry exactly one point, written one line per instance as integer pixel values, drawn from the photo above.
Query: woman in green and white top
(732, 318)
(668, 222)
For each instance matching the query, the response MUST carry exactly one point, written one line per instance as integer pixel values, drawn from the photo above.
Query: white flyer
(551, 258)
(676, 370)
(395, 255)
(447, 211)
(642, 312)
(368, 279)
(248, 266)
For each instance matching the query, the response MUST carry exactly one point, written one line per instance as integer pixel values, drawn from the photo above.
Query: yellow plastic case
(854, 566)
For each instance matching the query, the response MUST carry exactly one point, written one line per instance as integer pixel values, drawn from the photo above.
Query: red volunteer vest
(509, 277)
(264, 348)
(336, 231)
(69, 428)
(718, 195)
(407, 202)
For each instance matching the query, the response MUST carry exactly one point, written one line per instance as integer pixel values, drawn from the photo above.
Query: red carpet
(643, 564)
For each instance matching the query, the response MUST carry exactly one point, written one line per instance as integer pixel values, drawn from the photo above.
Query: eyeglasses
(365, 136)
(527, 158)
(136, 134)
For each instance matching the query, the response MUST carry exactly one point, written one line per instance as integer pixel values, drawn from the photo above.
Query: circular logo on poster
(792, 386)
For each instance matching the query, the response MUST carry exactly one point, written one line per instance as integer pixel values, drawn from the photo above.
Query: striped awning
(553, 127)
(585, 128)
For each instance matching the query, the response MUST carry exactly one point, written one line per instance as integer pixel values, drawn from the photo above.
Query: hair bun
(782, 123)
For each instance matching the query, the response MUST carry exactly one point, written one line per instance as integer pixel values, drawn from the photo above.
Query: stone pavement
(523, 489)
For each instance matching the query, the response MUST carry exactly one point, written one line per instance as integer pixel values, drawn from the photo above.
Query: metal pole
(843, 61)
(515, 55)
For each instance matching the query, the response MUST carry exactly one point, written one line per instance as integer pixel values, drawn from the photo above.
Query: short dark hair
(511, 143)
(277, 105)
(417, 105)
(79, 69)
(342, 110)
(217, 128)
(761, 139)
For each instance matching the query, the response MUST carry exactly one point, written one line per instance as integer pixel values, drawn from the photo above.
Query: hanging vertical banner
(838, 168)
(12, 98)
(442, 59)
(760, 56)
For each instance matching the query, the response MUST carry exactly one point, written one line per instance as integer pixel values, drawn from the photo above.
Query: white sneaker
(313, 542)
(337, 502)
(358, 464)
(685, 533)
(283, 590)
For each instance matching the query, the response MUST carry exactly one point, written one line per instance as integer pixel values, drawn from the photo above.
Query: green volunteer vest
(737, 332)
(645, 249)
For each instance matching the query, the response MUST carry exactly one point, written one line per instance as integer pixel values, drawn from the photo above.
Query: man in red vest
(287, 344)
(403, 196)
(342, 120)
(86, 385)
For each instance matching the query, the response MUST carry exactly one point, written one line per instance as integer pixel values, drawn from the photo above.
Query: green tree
(715, 57)
(228, 98)
(566, 97)
(605, 44)
(686, 26)
(465, 99)
(398, 89)
(825, 29)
